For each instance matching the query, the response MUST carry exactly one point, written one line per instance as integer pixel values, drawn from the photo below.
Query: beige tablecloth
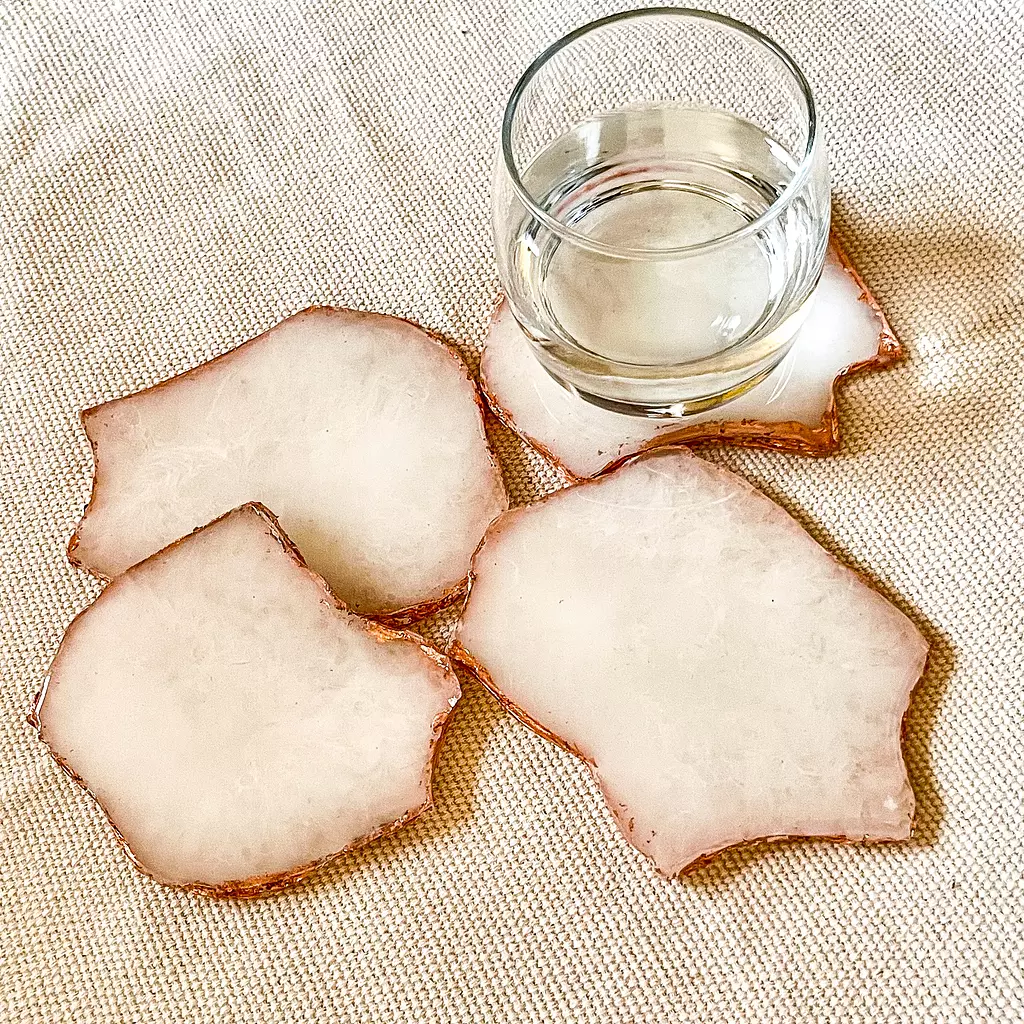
(175, 177)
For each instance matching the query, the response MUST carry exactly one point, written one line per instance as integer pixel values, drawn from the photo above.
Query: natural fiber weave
(177, 177)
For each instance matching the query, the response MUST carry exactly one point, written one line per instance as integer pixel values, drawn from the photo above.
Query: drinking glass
(661, 208)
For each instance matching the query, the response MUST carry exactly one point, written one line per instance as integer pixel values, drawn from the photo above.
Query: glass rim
(584, 241)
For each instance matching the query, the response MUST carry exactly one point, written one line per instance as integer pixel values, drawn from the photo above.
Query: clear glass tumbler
(661, 208)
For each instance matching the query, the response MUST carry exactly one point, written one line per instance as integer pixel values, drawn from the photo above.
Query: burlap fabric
(176, 177)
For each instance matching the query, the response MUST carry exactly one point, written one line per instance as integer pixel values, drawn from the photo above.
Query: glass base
(677, 409)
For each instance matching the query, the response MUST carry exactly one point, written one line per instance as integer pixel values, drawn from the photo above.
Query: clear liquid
(655, 178)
